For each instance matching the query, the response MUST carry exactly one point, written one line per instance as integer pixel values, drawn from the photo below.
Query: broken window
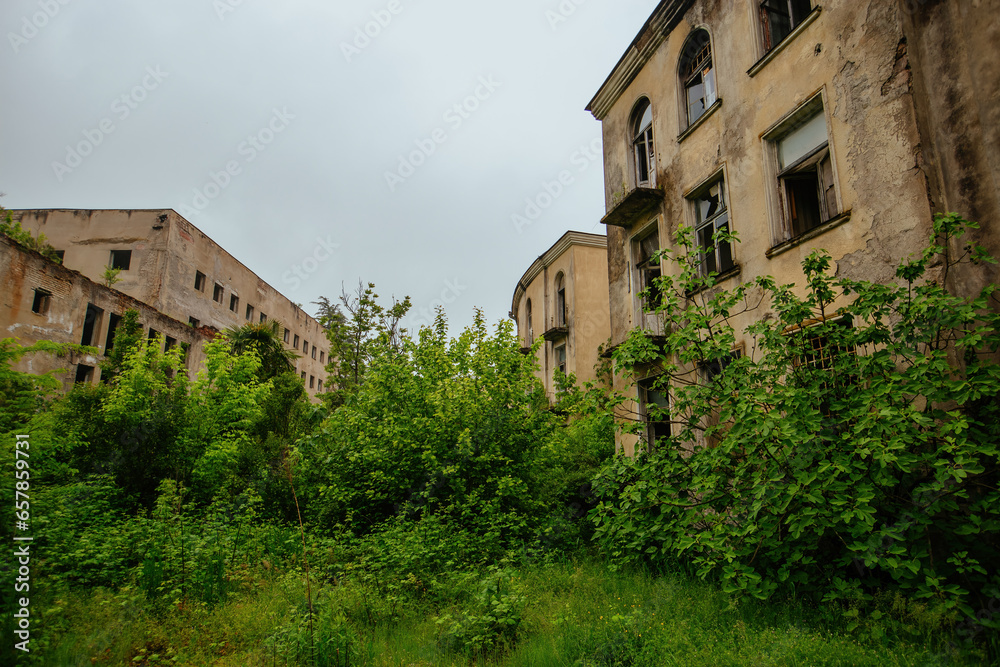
(153, 333)
(697, 75)
(779, 17)
(249, 312)
(121, 259)
(169, 343)
(560, 355)
(91, 324)
(711, 219)
(806, 186)
(113, 322)
(647, 270)
(560, 300)
(654, 404)
(218, 293)
(194, 322)
(40, 304)
(234, 302)
(199, 281)
(642, 145)
(61, 254)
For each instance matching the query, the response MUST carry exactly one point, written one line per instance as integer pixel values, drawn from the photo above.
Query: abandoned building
(796, 124)
(563, 298)
(167, 269)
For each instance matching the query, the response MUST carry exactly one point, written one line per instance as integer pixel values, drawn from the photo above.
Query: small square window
(194, 322)
(40, 304)
(121, 259)
(234, 302)
(84, 374)
(218, 293)
(61, 254)
(199, 281)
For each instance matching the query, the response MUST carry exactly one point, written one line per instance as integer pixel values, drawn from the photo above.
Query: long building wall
(176, 268)
(44, 300)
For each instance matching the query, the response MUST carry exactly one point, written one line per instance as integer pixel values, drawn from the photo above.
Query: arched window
(697, 75)
(642, 144)
(528, 324)
(560, 300)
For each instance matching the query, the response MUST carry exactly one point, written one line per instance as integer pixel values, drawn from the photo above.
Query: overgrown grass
(572, 613)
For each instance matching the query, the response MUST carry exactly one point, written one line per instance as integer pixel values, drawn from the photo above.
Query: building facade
(797, 125)
(563, 298)
(175, 269)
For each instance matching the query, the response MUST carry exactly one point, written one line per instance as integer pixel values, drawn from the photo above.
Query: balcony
(636, 204)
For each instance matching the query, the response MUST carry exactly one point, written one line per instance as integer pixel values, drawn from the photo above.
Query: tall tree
(265, 339)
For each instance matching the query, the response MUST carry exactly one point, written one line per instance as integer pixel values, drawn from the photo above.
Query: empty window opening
(84, 374)
(697, 75)
(121, 259)
(199, 281)
(234, 302)
(312, 381)
(779, 17)
(169, 344)
(61, 254)
(322, 357)
(560, 355)
(303, 376)
(249, 313)
(218, 293)
(642, 145)
(263, 317)
(113, 322)
(805, 172)
(313, 351)
(40, 304)
(305, 347)
(287, 335)
(320, 386)
(560, 300)
(194, 322)
(91, 324)
(530, 326)
(712, 219)
(296, 343)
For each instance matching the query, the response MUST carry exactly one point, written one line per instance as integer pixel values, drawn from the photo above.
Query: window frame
(819, 160)
(643, 388)
(234, 302)
(200, 280)
(642, 268)
(218, 294)
(564, 364)
(562, 316)
(41, 301)
(642, 143)
(120, 260)
(698, 42)
(795, 18)
(718, 219)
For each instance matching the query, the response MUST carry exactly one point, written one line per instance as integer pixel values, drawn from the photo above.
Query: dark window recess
(305, 347)
(313, 351)
(303, 376)
(312, 381)
(531, 328)
(263, 317)
(560, 300)
(194, 322)
(654, 405)
(121, 259)
(199, 281)
(40, 304)
(648, 270)
(84, 374)
(322, 357)
(320, 387)
(218, 293)
(779, 17)
(113, 322)
(169, 344)
(91, 324)
(805, 173)
(287, 335)
(153, 333)
(296, 343)
(714, 368)
(234, 302)
(249, 313)
(712, 219)
(61, 254)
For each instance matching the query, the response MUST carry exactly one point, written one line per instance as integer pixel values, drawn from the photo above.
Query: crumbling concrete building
(168, 265)
(797, 124)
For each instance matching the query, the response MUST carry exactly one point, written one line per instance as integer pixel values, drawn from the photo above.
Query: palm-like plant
(265, 339)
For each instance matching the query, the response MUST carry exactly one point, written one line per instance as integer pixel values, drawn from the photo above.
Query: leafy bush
(491, 623)
(872, 465)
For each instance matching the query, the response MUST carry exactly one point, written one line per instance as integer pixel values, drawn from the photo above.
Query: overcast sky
(282, 129)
